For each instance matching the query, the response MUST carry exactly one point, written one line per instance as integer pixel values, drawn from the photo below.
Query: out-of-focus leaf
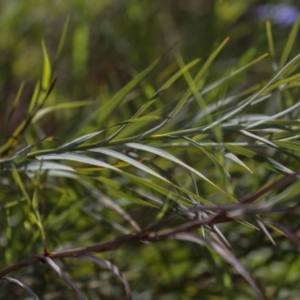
(116, 100)
(80, 49)
(275, 116)
(176, 76)
(270, 39)
(21, 155)
(234, 158)
(16, 135)
(126, 123)
(111, 267)
(226, 255)
(267, 162)
(12, 110)
(62, 37)
(42, 112)
(169, 193)
(75, 143)
(46, 69)
(265, 230)
(34, 166)
(289, 44)
(254, 97)
(22, 285)
(210, 59)
(261, 139)
(238, 71)
(58, 270)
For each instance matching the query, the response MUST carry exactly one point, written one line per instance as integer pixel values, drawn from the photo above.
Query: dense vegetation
(149, 150)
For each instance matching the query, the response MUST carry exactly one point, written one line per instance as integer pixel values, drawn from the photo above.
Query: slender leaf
(46, 68)
(170, 157)
(111, 267)
(116, 100)
(226, 255)
(129, 160)
(290, 43)
(58, 270)
(22, 285)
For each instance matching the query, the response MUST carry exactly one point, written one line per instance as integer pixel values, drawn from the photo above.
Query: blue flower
(282, 15)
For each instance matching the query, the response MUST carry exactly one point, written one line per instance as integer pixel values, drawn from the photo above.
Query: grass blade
(58, 270)
(289, 43)
(77, 158)
(170, 157)
(226, 255)
(176, 76)
(62, 38)
(111, 267)
(129, 160)
(116, 100)
(270, 39)
(46, 77)
(22, 285)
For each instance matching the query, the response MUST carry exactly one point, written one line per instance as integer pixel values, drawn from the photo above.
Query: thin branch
(21, 264)
(272, 186)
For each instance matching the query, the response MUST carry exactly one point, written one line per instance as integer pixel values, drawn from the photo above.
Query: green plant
(203, 158)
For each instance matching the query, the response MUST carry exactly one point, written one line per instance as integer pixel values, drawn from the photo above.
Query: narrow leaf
(112, 268)
(78, 158)
(62, 37)
(170, 157)
(46, 68)
(58, 270)
(22, 285)
(116, 100)
(226, 255)
(289, 43)
(129, 160)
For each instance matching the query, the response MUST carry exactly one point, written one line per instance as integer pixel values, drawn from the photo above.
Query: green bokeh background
(107, 43)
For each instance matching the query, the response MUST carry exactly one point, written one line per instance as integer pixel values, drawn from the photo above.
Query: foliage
(165, 175)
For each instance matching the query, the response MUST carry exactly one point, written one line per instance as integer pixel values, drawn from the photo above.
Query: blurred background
(107, 42)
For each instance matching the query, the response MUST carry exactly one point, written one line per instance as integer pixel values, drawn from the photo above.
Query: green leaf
(126, 123)
(290, 42)
(80, 49)
(275, 116)
(174, 196)
(214, 85)
(12, 109)
(254, 97)
(21, 155)
(127, 159)
(235, 159)
(116, 100)
(177, 75)
(34, 166)
(270, 39)
(75, 143)
(210, 59)
(69, 105)
(170, 157)
(265, 161)
(46, 77)
(62, 38)
(77, 158)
